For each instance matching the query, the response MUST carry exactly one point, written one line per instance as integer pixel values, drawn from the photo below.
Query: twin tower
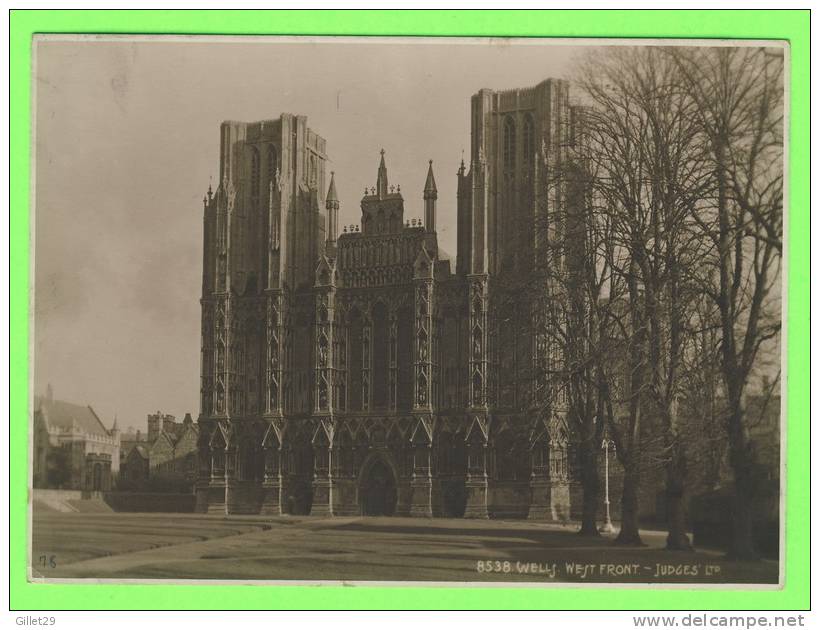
(359, 372)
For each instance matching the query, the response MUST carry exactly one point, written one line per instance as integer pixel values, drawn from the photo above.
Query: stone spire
(332, 197)
(332, 207)
(430, 196)
(463, 199)
(381, 181)
(430, 189)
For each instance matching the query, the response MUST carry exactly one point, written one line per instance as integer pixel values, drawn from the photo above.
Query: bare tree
(701, 399)
(579, 313)
(626, 393)
(650, 175)
(739, 98)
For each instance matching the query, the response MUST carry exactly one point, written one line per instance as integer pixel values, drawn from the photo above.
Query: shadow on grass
(541, 538)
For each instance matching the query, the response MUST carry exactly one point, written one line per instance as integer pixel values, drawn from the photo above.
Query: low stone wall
(712, 519)
(150, 501)
(84, 501)
(47, 494)
(58, 500)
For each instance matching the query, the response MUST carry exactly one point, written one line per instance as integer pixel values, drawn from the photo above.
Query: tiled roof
(164, 435)
(193, 428)
(65, 416)
(127, 445)
(173, 430)
(142, 450)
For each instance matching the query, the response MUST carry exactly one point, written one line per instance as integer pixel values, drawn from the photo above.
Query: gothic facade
(358, 372)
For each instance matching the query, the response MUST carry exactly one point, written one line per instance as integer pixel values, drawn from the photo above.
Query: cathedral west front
(359, 369)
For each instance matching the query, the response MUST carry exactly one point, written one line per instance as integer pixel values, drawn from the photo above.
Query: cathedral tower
(264, 226)
(518, 137)
(264, 232)
(508, 204)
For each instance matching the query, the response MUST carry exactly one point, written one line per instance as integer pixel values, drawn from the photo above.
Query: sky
(127, 139)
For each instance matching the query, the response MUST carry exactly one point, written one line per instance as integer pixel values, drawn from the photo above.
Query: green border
(748, 24)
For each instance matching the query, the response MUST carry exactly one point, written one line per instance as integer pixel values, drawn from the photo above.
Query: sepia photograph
(407, 310)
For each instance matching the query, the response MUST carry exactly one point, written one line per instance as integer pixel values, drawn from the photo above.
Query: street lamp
(605, 444)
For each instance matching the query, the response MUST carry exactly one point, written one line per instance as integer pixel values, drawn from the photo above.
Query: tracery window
(404, 359)
(509, 143)
(255, 172)
(354, 345)
(529, 140)
(380, 356)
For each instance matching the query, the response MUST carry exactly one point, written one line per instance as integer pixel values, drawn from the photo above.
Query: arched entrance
(377, 490)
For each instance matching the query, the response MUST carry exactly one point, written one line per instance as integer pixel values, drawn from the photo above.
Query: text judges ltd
(585, 571)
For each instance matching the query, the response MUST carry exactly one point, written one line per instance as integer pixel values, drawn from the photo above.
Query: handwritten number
(49, 561)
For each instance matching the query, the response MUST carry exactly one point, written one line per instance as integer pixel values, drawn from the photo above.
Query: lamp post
(605, 444)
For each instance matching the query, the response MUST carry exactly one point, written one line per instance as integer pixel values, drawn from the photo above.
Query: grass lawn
(71, 537)
(175, 546)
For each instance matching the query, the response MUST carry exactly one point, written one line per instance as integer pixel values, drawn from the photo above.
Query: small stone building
(72, 449)
(165, 459)
(134, 471)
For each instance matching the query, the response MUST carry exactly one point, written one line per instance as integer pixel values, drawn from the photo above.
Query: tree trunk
(591, 486)
(742, 546)
(735, 375)
(676, 540)
(629, 533)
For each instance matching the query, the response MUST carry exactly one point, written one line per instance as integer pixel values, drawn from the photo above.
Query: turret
(480, 253)
(464, 199)
(430, 196)
(382, 206)
(332, 207)
(381, 180)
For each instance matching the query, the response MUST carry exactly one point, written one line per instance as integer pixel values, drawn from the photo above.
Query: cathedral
(362, 371)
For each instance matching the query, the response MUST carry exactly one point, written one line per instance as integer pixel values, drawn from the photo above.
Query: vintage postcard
(477, 311)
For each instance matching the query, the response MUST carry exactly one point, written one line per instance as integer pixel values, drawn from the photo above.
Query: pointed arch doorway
(377, 488)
